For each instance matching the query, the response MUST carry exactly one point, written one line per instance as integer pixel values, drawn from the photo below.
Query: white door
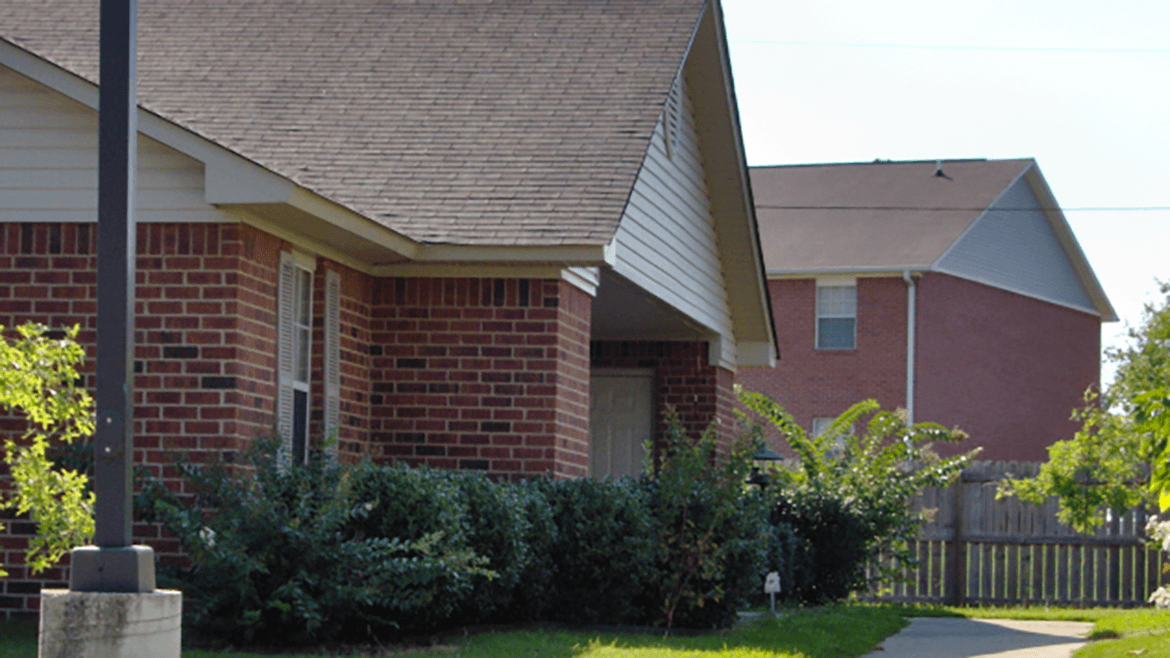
(620, 422)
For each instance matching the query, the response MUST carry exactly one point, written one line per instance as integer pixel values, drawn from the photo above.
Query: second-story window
(836, 317)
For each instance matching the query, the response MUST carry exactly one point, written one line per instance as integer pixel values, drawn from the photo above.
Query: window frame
(826, 283)
(294, 354)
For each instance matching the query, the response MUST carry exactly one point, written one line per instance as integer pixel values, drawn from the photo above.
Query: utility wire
(973, 209)
(908, 46)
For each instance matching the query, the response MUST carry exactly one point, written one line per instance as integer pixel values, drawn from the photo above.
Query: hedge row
(326, 553)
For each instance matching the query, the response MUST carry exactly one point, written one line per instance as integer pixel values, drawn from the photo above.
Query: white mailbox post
(772, 588)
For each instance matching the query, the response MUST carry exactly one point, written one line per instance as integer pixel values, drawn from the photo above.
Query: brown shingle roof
(484, 122)
(891, 215)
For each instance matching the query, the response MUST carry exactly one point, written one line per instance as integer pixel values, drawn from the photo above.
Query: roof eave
(1072, 247)
(717, 119)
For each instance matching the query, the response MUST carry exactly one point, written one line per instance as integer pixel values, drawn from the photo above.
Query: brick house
(497, 236)
(975, 257)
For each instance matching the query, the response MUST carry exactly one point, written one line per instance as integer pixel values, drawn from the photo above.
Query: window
(294, 349)
(294, 356)
(820, 425)
(303, 352)
(836, 317)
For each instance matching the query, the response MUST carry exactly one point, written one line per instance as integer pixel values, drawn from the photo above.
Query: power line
(909, 46)
(767, 206)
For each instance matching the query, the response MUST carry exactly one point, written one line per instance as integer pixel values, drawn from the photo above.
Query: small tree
(38, 379)
(854, 488)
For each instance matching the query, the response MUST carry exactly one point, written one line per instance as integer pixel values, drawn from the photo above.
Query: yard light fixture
(760, 459)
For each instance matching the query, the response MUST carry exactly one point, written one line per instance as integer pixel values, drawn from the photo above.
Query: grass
(1038, 613)
(18, 640)
(833, 632)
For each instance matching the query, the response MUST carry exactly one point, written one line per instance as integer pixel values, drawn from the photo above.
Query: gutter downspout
(911, 315)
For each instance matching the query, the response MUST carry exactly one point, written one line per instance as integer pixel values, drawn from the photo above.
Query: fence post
(958, 575)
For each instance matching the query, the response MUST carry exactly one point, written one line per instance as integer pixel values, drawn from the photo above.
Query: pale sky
(1082, 87)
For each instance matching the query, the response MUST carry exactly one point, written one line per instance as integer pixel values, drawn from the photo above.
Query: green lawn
(832, 632)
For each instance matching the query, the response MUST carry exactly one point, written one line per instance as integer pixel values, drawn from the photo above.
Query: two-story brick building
(954, 289)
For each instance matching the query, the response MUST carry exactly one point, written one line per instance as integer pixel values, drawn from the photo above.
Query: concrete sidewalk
(973, 638)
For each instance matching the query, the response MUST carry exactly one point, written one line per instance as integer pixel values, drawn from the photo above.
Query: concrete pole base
(110, 625)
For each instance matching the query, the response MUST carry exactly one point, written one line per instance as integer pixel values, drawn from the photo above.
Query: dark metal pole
(113, 565)
(116, 247)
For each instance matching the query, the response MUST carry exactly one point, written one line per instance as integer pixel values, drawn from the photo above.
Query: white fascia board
(1022, 293)
(708, 62)
(350, 221)
(299, 241)
(48, 74)
(757, 354)
(229, 175)
(563, 255)
(229, 178)
(854, 272)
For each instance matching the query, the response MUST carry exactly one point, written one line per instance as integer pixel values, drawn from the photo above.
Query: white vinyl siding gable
(666, 242)
(1013, 246)
(48, 163)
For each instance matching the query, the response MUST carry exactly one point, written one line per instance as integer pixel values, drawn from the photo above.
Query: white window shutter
(332, 360)
(285, 308)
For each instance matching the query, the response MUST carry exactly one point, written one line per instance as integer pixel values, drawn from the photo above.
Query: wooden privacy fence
(978, 549)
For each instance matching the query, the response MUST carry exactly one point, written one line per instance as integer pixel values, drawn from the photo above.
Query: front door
(620, 421)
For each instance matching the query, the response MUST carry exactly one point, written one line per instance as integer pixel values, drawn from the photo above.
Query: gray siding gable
(1013, 246)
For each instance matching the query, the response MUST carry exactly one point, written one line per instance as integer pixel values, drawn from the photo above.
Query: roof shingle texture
(479, 122)
(889, 215)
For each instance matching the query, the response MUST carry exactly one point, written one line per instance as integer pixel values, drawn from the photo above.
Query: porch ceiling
(624, 311)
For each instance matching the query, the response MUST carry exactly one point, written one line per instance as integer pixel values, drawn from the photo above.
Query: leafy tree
(852, 490)
(1121, 455)
(39, 380)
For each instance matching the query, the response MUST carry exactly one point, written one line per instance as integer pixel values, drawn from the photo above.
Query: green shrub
(836, 544)
(275, 558)
(408, 503)
(789, 555)
(712, 538)
(537, 580)
(604, 553)
(498, 532)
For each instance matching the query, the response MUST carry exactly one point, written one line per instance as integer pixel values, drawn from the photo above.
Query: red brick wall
(1007, 369)
(480, 374)
(811, 383)
(204, 348)
(683, 378)
(571, 410)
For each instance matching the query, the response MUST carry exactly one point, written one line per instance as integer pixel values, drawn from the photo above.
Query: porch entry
(621, 421)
